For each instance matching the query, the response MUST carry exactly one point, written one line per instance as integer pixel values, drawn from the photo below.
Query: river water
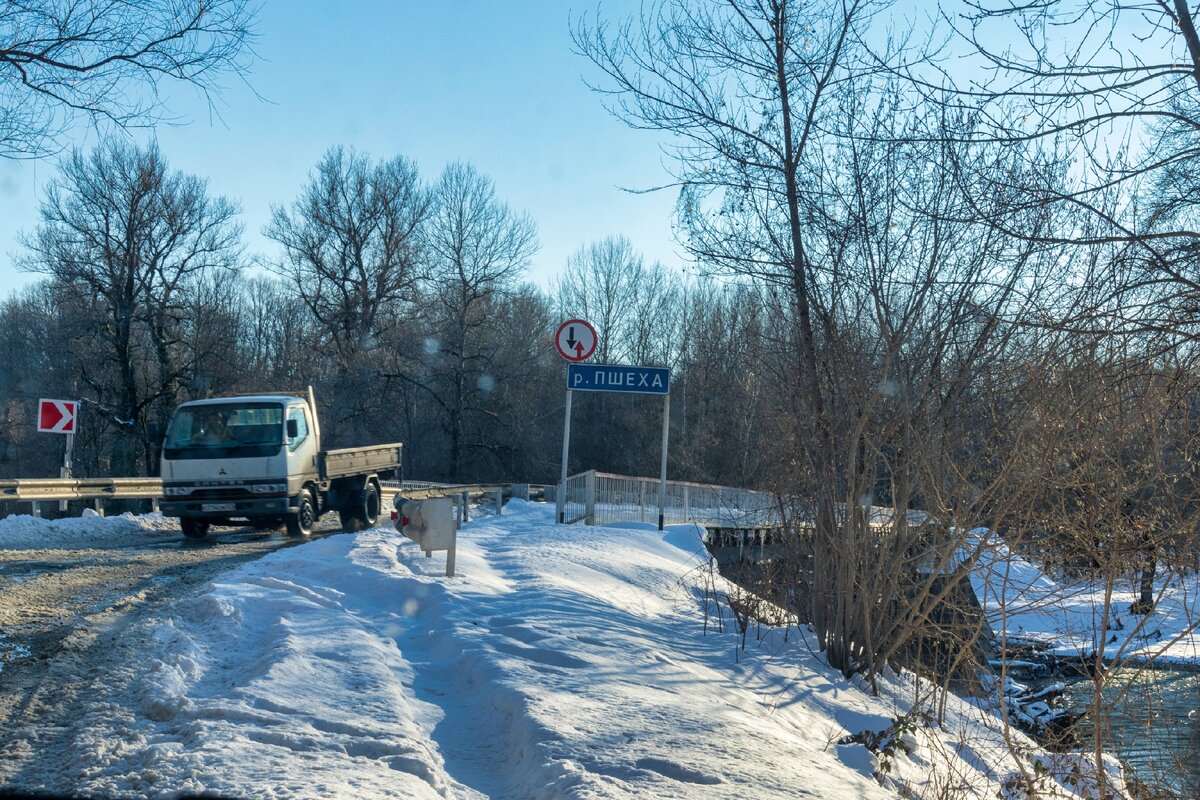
(1154, 725)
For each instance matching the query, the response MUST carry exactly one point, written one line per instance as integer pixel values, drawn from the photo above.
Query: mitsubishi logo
(221, 471)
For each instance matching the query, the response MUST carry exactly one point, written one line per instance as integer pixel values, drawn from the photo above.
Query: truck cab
(258, 458)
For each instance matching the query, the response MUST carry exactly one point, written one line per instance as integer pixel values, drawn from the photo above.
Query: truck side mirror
(293, 429)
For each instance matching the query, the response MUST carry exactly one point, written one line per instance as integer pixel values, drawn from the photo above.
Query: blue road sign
(618, 378)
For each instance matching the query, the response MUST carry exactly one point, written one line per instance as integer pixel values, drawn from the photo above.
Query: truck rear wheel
(194, 528)
(302, 522)
(363, 512)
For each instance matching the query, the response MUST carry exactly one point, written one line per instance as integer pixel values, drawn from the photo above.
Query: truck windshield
(224, 430)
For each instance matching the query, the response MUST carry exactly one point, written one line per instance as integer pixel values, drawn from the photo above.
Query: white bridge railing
(599, 498)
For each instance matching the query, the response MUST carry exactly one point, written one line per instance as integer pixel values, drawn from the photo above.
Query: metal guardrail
(152, 488)
(419, 490)
(43, 490)
(579, 503)
(32, 489)
(81, 489)
(459, 492)
(98, 490)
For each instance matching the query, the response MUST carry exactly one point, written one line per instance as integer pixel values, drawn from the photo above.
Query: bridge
(758, 542)
(741, 525)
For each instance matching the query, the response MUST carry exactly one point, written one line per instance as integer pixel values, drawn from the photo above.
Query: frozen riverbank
(1074, 619)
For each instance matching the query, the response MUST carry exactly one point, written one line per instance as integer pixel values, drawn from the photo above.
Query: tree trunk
(1145, 602)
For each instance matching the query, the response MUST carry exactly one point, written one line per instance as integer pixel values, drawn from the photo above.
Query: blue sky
(492, 83)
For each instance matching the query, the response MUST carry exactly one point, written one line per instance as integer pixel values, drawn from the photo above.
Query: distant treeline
(402, 302)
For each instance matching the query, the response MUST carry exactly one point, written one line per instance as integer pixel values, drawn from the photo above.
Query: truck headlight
(176, 491)
(268, 488)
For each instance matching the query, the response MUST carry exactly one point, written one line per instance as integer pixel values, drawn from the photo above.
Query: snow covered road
(559, 662)
(71, 591)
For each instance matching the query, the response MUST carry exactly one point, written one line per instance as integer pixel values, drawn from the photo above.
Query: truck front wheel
(194, 528)
(302, 522)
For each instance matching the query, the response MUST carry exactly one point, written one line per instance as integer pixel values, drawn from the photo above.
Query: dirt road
(69, 627)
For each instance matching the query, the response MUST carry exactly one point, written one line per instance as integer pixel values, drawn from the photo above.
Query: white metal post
(68, 455)
(590, 497)
(450, 553)
(662, 472)
(562, 484)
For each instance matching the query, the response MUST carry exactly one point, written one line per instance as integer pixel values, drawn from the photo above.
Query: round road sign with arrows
(576, 340)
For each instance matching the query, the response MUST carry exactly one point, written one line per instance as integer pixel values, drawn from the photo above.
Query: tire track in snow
(69, 619)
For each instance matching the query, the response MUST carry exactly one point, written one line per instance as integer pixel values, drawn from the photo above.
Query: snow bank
(23, 532)
(560, 662)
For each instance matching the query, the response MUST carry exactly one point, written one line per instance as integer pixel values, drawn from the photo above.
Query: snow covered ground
(559, 662)
(24, 532)
(1068, 616)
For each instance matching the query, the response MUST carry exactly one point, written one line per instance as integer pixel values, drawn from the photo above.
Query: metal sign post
(65, 472)
(626, 380)
(662, 471)
(562, 484)
(575, 340)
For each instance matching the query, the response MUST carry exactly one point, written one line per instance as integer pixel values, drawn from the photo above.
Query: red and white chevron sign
(56, 416)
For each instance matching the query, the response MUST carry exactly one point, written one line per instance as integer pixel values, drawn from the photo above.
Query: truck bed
(359, 460)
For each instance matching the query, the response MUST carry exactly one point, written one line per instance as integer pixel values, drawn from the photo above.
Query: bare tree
(1112, 92)
(353, 252)
(608, 283)
(802, 168)
(1117, 494)
(125, 238)
(106, 61)
(478, 246)
(275, 332)
(728, 385)
(38, 362)
(521, 373)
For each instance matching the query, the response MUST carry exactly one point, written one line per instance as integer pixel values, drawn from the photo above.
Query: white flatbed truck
(258, 459)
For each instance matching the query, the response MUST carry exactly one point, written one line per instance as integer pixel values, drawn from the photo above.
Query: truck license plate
(218, 506)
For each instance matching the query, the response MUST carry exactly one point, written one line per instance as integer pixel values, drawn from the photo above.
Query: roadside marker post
(59, 416)
(662, 470)
(561, 500)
